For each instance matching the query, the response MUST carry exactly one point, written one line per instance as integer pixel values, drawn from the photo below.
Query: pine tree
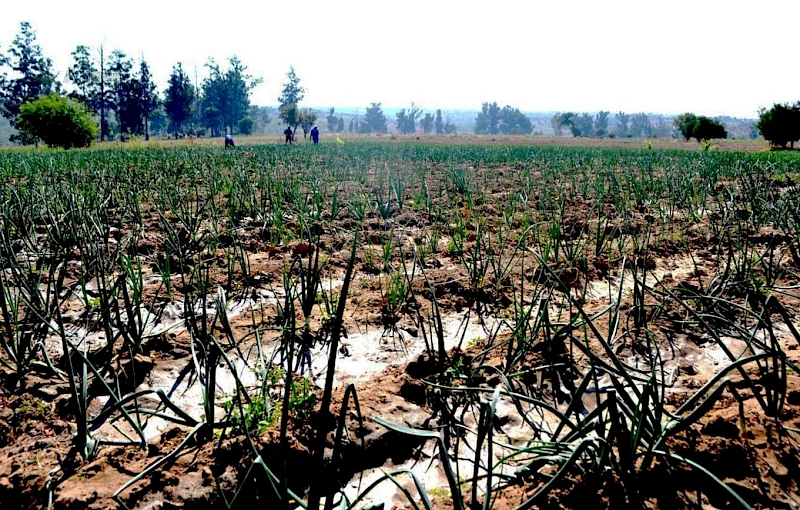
(179, 98)
(35, 77)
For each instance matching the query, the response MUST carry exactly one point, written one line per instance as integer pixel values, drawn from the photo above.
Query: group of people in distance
(288, 133)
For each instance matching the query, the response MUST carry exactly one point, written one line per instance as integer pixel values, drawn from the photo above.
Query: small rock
(46, 393)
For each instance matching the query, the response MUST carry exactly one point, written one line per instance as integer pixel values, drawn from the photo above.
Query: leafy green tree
(307, 120)
(85, 76)
(105, 100)
(601, 123)
(333, 121)
(126, 92)
(514, 122)
(226, 96)
(239, 85)
(426, 123)
(700, 127)
(291, 115)
(708, 129)
(640, 126)
(583, 125)
(179, 98)
(340, 126)
(407, 121)
(437, 123)
(556, 124)
(623, 119)
(684, 123)
(780, 125)
(57, 121)
(33, 76)
(449, 126)
(148, 97)
(291, 94)
(246, 126)
(374, 120)
(488, 119)
(572, 121)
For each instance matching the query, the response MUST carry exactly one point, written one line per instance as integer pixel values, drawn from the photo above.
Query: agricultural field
(399, 324)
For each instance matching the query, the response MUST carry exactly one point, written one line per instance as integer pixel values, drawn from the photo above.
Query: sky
(709, 57)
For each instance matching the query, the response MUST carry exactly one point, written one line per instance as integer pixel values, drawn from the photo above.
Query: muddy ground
(384, 355)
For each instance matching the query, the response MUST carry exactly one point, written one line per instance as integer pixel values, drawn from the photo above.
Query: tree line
(119, 91)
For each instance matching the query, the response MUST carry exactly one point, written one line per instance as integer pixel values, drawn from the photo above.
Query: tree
(239, 84)
(555, 123)
(125, 91)
(708, 129)
(291, 95)
(437, 123)
(333, 122)
(407, 121)
(622, 124)
(340, 127)
(572, 121)
(684, 123)
(586, 123)
(105, 100)
(780, 125)
(601, 123)
(640, 126)
(34, 76)
(57, 121)
(246, 126)
(449, 127)
(427, 123)
(374, 120)
(514, 122)
(85, 76)
(292, 92)
(226, 96)
(179, 98)
(700, 128)
(488, 119)
(147, 96)
(307, 121)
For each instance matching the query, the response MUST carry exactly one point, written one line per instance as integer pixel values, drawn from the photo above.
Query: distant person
(229, 141)
(315, 135)
(289, 135)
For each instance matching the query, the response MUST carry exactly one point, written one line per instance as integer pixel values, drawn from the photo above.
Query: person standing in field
(315, 135)
(229, 141)
(289, 135)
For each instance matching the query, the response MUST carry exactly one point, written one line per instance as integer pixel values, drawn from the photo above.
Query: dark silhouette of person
(289, 135)
(229, 141)
(315, 135)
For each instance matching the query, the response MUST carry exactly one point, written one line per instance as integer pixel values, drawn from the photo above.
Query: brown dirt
(762, 463)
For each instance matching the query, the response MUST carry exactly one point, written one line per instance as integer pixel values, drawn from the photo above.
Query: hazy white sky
(669, 56)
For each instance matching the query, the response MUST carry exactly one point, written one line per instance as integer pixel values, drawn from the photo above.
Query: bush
(58, 122)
